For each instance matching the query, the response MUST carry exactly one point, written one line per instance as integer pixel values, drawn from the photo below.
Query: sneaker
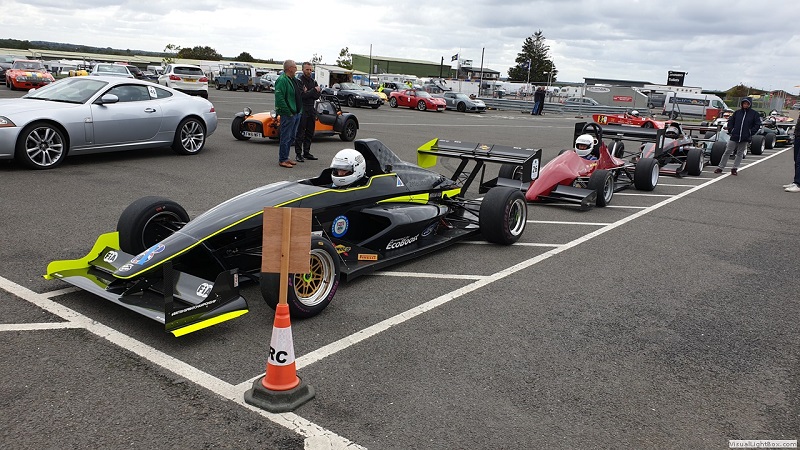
(718, 170)
(793, 188)
(789, 185)
(734, 171)
(310, 157)
(299, 158)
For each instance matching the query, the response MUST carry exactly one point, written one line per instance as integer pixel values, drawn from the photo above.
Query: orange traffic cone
(280, 389)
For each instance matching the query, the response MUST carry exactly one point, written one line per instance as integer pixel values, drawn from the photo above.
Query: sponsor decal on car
(110, 257)
(204, 289)
(148, 254)
(342, 250)
(430, 229)
(402, 242)
(126, 267)
(339, 227)
(367, 257)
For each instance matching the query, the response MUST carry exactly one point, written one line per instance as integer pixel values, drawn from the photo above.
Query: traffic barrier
(280, 389)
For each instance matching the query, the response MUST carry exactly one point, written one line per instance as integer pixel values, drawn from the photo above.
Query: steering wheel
(594, 128)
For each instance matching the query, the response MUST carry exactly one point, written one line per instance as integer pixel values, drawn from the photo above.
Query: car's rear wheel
(308, 293)
(349, 130)
(393, 102)
(41, 146)
(717, 150)
(645, 174)
(769, 141)
(421, 105)
(602, 181)
(236, 128)
(757, 145)
(190, 137)
(147, 221)
(503, 215)
(694, 161)
(204, 94)
(229, 85)
(461, 107)
(217, 85)
(510, 171)
(647, 125)
(709, 135)
(616, 149)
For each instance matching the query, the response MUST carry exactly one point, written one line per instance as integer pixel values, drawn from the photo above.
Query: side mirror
(107, 99)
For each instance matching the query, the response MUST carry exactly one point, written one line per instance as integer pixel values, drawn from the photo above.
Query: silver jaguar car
(81, 115)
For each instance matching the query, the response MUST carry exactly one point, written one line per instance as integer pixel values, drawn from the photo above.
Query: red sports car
(416, 99)
(27, 74)
(629, 118)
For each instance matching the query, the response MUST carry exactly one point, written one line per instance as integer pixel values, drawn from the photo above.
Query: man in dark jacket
(794, 186)
(309, 93)
(742, 125)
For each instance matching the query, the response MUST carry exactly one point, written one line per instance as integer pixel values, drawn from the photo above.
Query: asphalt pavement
(668, 320)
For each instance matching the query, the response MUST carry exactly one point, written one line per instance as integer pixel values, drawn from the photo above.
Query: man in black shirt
(309, 93)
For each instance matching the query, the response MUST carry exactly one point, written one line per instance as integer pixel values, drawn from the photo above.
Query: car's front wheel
(190, 137)
(503, 215)
(236, 128)
(694, 161)
(757, 145)
(393, 102)
(421, 105)
(308, 293)
(147, 221)
(717, 150)
(349, 130)
(645, 174)
(41, 146)
(462, 107)
(602, 182)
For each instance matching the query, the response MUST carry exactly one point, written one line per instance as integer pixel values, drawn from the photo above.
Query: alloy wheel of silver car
(42, 147)
(191, 137)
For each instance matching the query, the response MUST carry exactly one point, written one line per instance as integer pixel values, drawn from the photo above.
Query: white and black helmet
(584, 144)
(672, 132)
(635, 113)
(348, 167)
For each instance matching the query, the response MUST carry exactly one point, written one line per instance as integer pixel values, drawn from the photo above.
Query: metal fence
(503, 104)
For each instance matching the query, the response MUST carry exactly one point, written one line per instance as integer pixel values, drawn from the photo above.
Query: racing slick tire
(602, 181)
(645, 175)
(147, 221)
(190, 137)
(757, 145)
(503, 215)
(769, 141)
(709, 135)
(393, 102)
(421, 105)
(236, 129)
(41, 145)
(694, 161)
(308, 293)
(461, 107)
(510, 171)
(717, 150)
(616, 149)
(349, 130)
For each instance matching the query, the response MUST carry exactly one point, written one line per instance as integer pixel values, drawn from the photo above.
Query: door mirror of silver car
(107, 98)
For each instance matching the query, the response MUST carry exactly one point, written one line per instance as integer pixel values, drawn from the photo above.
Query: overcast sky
(719, 43)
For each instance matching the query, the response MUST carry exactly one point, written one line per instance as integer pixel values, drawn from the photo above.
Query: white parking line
(677, 185)
(38, 326)
(625, 207)
(447, 276)
(525, 244)
(556, 222)
(638, 194)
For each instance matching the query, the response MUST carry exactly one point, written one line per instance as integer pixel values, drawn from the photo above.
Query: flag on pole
(454, 57)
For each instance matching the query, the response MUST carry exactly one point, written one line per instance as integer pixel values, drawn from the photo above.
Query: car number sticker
(602, 120)
(339, 227)
(535, 169)
(399, 182)
(152, 91)
(251, 134)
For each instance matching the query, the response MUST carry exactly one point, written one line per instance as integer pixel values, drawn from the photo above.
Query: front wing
(182, 302)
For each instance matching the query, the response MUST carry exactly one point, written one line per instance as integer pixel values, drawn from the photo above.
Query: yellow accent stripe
(103, 241)
(207, 323)
(427, 160)
(260, 212)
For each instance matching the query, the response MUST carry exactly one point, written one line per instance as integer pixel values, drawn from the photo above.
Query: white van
(685, 104)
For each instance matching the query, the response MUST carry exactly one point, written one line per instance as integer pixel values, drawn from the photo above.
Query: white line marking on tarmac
(635, 194)
(524, 244)
(677, 185)
(449, 276)
(38, 326)
(625, 207)
(556, 222)
(235, 394)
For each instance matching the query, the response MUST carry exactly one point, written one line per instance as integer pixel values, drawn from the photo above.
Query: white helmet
(672, 132)
(348, 167)
(584, 144)
(635, 113)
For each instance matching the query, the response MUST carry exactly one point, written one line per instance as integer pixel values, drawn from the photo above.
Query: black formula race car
(185, 273)
(673, 147)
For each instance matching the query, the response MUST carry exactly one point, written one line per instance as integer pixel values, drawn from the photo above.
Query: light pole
(528, 83)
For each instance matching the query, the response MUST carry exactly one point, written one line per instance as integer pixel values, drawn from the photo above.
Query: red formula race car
(27, 74)
(632, 118)
(416, 99)
(587, 180)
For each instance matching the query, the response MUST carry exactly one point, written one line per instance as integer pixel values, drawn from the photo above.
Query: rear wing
(651, 135)
(528, 159)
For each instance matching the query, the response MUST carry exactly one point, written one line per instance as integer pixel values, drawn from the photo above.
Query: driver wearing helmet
(583, 146)
(634, 113)
(672, 132)
(348, 167)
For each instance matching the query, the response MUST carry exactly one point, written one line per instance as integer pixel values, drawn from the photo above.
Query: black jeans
(305, 131)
